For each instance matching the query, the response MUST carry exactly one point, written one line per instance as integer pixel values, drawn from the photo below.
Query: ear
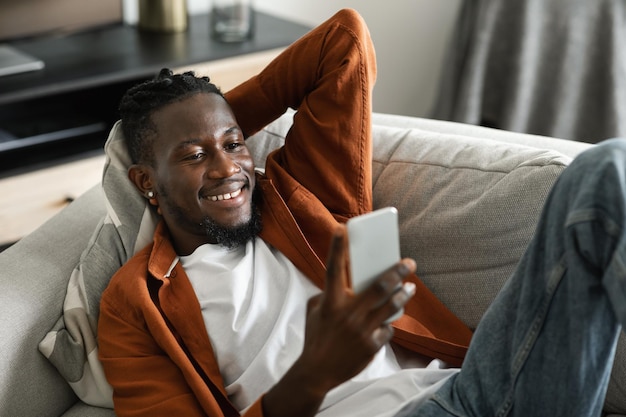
(141, 176)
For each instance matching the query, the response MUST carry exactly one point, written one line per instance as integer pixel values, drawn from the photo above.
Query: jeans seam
(532, 334)
(594, 215)
(443, 404)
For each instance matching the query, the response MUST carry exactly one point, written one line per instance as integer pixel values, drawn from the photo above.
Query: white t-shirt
(253, 302)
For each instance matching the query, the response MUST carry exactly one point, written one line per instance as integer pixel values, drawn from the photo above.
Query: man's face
(203, 172)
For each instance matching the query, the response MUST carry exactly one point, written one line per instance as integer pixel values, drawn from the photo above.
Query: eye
(234, 146)
(195, 156)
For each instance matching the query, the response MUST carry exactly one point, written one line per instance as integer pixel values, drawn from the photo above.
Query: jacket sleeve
(324, 171)
(328, 76)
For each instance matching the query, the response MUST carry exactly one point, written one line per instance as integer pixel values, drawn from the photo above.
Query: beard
(227, 236)
(233, 236)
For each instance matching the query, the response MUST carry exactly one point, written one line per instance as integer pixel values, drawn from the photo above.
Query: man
(213, 318)
(191, 161)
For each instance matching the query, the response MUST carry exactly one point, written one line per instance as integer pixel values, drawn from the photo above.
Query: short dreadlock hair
(142, 100)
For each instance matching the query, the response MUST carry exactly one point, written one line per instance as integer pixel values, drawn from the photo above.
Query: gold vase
(163, 15)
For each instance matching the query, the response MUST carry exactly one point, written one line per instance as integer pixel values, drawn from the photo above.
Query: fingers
(388, 295)
(389, 282)
(399, 299)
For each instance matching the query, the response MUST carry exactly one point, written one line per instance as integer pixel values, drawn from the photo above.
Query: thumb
(336, 265)
(313, 302)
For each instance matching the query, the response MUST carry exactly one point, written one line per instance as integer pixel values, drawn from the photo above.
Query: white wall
(410, 37)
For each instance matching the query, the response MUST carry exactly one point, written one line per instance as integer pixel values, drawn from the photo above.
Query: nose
(222, 166)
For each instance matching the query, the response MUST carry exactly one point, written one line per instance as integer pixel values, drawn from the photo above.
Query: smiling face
(203, 174)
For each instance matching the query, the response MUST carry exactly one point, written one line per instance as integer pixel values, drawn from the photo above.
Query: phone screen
(374, 245)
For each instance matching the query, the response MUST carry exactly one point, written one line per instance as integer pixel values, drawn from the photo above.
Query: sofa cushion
(468, 208)
(126, 228)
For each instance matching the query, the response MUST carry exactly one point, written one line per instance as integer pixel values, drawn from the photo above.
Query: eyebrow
(195, 141)
(186, 143)
(232, 129)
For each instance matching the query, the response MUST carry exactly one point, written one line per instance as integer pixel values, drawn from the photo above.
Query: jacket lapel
(181, 311)
(281, 230)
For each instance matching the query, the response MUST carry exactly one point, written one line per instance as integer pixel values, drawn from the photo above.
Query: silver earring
(150, 194)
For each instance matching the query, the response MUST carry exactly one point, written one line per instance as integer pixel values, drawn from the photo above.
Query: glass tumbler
(232, 20)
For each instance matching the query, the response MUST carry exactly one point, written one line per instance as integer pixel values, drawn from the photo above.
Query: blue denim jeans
(545, 347)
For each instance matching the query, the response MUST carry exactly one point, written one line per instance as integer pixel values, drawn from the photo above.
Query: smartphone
(373, 247)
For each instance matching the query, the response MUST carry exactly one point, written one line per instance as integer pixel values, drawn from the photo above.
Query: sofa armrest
(34, 274)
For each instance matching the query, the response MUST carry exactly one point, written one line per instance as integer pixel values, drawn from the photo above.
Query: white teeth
(226, 196)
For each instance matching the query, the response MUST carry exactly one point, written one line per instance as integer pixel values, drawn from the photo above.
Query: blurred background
(410, 37)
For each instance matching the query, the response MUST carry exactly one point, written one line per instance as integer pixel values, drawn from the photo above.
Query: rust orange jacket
(153, 343)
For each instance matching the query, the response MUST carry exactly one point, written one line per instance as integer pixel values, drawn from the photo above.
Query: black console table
(66, 109)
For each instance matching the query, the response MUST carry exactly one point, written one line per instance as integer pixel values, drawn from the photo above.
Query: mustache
(217, 184)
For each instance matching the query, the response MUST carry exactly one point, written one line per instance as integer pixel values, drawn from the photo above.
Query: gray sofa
(468, 199)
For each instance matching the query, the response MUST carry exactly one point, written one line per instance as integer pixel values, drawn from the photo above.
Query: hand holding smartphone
(374, 247)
